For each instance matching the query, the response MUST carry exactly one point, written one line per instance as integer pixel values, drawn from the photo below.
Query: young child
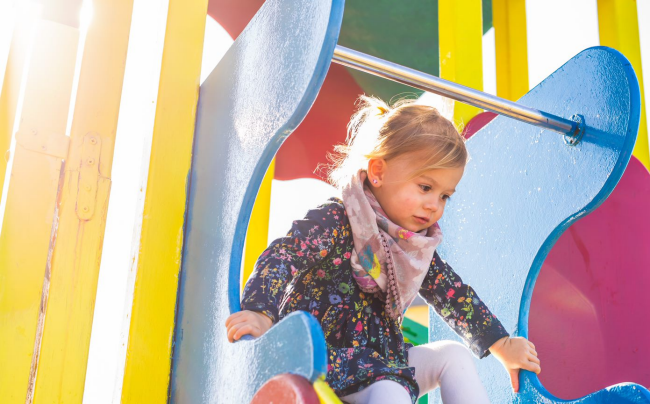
(358, 262)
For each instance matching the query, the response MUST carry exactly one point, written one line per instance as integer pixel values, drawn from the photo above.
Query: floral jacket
(310, 270)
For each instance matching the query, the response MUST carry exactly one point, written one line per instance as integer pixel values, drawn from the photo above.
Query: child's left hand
(247, 322)
(514, 354)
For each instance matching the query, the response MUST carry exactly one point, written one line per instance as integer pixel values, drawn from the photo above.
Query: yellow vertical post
(27, 236)
(618, 26)
(11, 86)
(149, 350)
(258, 228)
(83, 204)
(461, 49)
(509, 18)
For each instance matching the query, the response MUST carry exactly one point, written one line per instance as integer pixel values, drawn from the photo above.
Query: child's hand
(514, 354)
(247, 322)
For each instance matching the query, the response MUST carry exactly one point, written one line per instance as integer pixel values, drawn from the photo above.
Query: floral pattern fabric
(310, 270)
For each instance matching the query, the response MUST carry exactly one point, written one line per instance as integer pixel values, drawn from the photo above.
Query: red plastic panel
(479, 121)
(286, 389)
(323, 127)
(326, 123)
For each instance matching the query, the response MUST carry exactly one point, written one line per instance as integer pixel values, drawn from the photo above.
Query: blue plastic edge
(320, 72)
(322, 66)
(316, 335)
(608, 188)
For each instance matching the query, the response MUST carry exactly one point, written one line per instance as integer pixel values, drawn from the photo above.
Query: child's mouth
(421, 220)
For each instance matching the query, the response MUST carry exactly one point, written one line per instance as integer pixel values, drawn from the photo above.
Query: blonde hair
(379, 131)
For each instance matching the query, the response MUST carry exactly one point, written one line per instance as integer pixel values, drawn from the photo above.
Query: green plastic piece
(404, 33)
(414, 332)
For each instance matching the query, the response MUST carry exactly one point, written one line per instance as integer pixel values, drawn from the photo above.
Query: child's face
(412, 203)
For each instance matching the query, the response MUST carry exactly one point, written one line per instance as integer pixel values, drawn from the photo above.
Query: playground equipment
(48, 362)
(592, 275)
(253, 102)
(572, 128)
(550, 185)
(577, 313)
(591, 162)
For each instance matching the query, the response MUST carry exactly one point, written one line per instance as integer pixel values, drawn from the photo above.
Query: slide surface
(524, 186)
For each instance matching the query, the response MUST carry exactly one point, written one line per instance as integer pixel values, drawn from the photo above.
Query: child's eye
(446, 197)
(425, 188)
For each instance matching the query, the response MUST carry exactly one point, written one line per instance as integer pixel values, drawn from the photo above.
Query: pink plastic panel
(589, 314)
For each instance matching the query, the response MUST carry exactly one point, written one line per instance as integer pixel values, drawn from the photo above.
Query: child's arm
(308, 241)
(461, 308)
(469, 317)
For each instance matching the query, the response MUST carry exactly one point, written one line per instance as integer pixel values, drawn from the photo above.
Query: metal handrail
(423, 81)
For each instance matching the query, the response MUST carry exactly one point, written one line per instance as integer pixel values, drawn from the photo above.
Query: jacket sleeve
(461, 308)
(308, 241)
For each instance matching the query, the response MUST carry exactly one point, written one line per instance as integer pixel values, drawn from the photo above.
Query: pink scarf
(387, 259)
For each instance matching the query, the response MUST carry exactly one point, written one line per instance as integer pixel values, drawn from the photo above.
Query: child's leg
(450, 366)
(383, 391)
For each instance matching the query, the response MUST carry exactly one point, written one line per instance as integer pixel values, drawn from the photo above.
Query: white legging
(445, 364)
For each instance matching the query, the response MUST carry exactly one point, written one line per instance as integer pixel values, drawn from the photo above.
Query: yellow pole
(83, 204)
(149, 350)
(461, 49)
(325, 393)
(258, 228)
(618, 26)
(509, 18)
(27, 238)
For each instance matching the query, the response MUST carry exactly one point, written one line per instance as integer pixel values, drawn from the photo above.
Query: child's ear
(376, 171)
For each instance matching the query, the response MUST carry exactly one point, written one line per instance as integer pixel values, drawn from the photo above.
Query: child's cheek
(408, 202)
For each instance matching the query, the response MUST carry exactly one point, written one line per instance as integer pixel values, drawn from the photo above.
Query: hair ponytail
(378, 130)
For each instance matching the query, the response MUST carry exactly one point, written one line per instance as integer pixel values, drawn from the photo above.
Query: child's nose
(432, 204)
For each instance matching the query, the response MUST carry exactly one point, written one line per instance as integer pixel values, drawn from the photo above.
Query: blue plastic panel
(524, 186)
(257, 95)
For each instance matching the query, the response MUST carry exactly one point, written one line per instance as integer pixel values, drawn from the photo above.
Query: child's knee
(458, 357)
(438, 354)
(457, 352)
(456, 349)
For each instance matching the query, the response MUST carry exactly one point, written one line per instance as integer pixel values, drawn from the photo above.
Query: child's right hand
(516, 353)
(247, 322)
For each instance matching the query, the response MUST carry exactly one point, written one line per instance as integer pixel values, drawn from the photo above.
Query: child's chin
(416, 229)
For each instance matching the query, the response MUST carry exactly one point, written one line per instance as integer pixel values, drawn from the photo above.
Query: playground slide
(586, 310)
(525, 186)
(237, 135)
